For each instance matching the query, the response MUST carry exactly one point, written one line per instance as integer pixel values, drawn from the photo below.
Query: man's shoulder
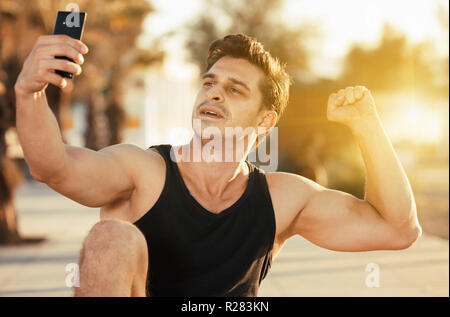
(289, 193)
(291, 187)
(287, 181)
(128, 149)
(135, 157)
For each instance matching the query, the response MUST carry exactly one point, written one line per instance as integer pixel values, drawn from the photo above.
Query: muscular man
(181, 227)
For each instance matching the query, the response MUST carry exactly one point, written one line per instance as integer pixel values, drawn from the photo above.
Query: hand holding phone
(42, 68)
(69, 23)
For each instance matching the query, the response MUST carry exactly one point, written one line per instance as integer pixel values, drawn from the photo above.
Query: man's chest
(286, 204)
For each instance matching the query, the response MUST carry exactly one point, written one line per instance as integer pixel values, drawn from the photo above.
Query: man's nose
(215, 94)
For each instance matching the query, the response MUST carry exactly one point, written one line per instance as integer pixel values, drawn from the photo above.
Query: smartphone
(69, 23)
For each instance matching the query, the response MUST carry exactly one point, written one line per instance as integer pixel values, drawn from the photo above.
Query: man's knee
(114, 238)
(113, 260)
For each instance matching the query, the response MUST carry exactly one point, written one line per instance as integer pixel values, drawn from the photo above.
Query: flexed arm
(386, 219)
(387, 187)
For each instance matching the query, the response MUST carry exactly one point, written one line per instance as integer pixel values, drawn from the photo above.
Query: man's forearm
(387, 187)
(39, 135)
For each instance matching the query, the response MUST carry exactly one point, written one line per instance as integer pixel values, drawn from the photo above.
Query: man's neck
(214, 177)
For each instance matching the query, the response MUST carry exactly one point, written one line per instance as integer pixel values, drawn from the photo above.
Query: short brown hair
(275, 88)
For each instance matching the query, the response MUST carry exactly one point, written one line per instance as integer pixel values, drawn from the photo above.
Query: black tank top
(194, 252)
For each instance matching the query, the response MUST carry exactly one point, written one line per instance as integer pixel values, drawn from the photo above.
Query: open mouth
(211, 114)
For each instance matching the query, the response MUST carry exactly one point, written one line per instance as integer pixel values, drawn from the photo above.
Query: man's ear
(268, 120)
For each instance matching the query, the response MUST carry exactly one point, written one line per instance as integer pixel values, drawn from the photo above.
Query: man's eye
(235, 91)
(208, 83)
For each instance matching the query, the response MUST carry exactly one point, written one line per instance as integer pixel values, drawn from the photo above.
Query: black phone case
(75, 31)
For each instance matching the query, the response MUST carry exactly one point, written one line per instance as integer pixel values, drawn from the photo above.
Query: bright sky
(341, 23)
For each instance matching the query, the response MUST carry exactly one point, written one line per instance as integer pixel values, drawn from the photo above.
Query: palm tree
(20, 24)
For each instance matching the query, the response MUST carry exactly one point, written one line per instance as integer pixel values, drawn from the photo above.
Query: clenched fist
(351, 106)
(40, 65)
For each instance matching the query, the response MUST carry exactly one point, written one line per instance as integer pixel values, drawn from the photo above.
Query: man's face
(230, 89)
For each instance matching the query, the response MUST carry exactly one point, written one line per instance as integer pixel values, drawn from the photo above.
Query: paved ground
(301, 269)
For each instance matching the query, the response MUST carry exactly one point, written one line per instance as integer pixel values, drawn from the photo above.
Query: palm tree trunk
(10, 178)
(97, 135)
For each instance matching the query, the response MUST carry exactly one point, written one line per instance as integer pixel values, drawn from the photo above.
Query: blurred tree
(256, 18)
(110, 32)
(315, 147)
(393, 65)
(112, 28)
(443, 18)
(20, 24)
